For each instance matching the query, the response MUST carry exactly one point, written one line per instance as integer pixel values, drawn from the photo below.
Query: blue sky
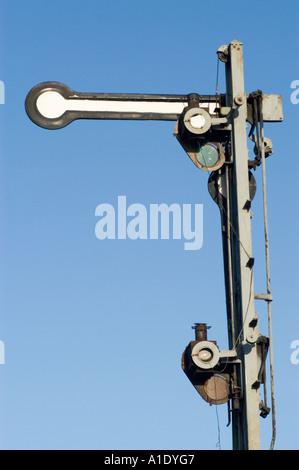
(94, 329)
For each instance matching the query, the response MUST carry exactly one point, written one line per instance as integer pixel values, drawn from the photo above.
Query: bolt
(239, 99)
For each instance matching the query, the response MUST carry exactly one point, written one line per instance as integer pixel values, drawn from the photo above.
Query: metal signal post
(212, 130)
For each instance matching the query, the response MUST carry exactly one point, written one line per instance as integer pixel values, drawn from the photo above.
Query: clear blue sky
(94, 330)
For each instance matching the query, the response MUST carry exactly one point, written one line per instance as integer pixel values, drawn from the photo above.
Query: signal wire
(218, 445)
(217, 77)
(218, 426)
(262, 146)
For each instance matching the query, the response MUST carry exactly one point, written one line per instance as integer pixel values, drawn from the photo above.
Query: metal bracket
(267, 297)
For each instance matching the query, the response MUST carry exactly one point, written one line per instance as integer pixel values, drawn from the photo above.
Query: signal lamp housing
(197, 121)
(200, 362)
(205, 355)
(194, 132)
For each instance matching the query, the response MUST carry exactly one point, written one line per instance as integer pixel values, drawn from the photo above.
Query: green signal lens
(207, 155)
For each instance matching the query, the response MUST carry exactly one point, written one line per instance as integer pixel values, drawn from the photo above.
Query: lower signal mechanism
(201, 362)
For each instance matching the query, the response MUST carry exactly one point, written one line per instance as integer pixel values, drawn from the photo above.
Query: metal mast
(246, 420)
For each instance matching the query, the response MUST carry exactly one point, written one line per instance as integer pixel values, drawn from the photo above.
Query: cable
(235, 233)
(267, 270)
(218, 445)
(217, 77)
(241, 331)
(218, 426)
